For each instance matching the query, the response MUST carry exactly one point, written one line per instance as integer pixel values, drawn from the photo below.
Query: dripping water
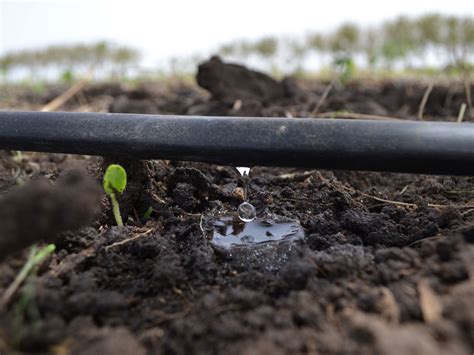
(246, 211)
(252, 239)
(244, 171)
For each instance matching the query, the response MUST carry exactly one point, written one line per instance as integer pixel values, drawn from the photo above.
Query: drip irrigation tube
(396, 146)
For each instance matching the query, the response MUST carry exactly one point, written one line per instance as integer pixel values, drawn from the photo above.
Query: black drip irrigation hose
(395, 146)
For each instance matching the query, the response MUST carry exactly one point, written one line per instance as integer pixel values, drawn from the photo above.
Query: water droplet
(244, 171)
(246, 212)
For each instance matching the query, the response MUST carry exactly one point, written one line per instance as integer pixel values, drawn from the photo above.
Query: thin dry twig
(353, 115)
(128, 240)
(465, 213)
(324, 95)
(434, 237)
(200, 225)
(393, 202)
(424, 100)
(430, 304)
(462, 111)
(292, 176)
(467, 88)
(404, 190)
(391, 309)
(237, 105)
(56, 103)
(411, 205)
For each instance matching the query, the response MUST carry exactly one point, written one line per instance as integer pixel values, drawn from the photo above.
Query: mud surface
(386, 266)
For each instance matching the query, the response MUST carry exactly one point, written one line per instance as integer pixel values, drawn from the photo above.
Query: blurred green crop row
(66, 60)
(404, 42)
(430, 43)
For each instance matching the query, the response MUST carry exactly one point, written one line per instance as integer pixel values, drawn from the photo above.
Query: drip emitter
(395, 146)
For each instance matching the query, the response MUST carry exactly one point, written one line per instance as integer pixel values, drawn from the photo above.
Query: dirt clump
(231, 82)
(40, 210)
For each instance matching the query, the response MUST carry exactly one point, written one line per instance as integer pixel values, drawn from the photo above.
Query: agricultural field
(385, 266)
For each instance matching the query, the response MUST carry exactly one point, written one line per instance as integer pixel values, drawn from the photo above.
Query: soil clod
(40, 210)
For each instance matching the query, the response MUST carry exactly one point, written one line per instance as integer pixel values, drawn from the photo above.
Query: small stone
(238, 193)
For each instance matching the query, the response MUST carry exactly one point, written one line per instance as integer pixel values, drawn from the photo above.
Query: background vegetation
(67, 61)
(431, 42)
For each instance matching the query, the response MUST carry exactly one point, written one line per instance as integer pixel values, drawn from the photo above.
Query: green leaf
(115, 179)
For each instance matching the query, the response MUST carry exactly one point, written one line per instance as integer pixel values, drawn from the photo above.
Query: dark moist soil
(372, 276)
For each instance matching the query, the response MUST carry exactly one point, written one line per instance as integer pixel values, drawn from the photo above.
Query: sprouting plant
(148, 213)
(346, 68)
(35, 258)
(26, 307)
(115, 181)
(18, 157)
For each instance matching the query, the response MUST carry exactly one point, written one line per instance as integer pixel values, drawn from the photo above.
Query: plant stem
(148, 213)
(35, 258)
(116, 210)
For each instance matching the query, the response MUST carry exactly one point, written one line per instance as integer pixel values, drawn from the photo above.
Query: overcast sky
(161, 29)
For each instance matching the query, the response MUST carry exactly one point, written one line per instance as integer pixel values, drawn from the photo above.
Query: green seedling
(115, 181)
(26, 308)
(35, 258)
(346, 67)
(18, 157)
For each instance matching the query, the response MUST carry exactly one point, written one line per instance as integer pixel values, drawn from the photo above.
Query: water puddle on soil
(246, 241)
(230, 232)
